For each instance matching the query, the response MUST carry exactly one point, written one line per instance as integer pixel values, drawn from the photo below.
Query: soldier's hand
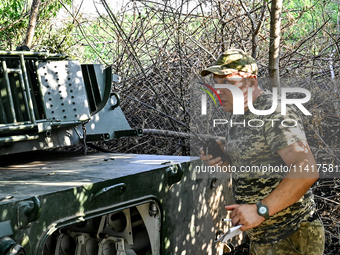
(245, 215)
(223, 147)
(209, 158)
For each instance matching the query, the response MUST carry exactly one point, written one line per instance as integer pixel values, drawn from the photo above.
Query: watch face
(262, 210)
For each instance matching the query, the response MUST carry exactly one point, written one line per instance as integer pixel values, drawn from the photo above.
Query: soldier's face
(240, 80)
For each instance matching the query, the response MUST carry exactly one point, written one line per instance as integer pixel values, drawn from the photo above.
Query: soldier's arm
(290, 189)
(296, 183)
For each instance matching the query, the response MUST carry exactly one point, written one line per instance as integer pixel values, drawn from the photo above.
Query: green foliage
(11, 10)
(303, 17)
(14, 18)
(148, 30)
(50, 9)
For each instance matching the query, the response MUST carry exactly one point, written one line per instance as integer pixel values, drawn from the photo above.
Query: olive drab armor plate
(62, 203)
(63, 90)
(48, 101)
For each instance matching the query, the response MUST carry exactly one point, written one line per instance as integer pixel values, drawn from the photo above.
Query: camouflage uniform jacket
(256, 147)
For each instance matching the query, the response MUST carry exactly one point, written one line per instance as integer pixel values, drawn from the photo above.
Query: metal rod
(160, 132)
(18, 138)
(65, 124)
(36, 63)
(13, 70)
(15, 124)
(24, 92)
(3, 117)
(26, 84)
(9, 92)
(16, 127)
(32, 54)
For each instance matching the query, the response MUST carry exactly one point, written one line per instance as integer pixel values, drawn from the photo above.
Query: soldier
(276, 209)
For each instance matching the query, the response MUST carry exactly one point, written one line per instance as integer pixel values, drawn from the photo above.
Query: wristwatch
(262, 210)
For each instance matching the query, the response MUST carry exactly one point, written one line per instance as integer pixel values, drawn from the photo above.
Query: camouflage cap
(231, 61)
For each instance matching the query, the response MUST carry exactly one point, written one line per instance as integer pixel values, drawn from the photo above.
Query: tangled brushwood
(159, 48)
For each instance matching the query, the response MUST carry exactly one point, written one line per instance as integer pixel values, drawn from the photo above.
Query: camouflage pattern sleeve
(283, 130)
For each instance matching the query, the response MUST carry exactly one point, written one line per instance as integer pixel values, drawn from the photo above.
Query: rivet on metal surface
(153, 209)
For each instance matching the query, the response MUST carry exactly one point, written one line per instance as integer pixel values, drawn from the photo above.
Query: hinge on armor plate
(98, 137)
(127, 133)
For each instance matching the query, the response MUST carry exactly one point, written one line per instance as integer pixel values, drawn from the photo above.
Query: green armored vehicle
(57, 203)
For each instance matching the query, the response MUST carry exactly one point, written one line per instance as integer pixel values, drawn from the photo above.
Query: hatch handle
(117, 101)
(120, 186)
(28, 211)
(174, 174)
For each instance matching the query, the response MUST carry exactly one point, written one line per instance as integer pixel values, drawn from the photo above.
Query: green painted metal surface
(45, 98)
(74, 189)
(55, 203)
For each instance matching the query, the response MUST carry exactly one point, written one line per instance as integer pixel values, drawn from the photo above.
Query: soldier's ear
(253, 78)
